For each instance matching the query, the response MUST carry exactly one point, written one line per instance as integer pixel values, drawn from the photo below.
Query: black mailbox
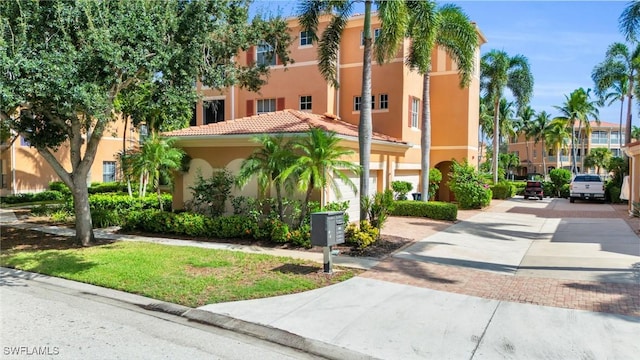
(327, 228)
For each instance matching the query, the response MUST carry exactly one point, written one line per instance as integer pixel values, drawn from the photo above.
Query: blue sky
(563, 41)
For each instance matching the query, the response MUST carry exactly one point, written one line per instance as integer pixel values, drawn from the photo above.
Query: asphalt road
(45, 321)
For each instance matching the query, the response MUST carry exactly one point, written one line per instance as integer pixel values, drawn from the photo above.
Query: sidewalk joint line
(484, 331)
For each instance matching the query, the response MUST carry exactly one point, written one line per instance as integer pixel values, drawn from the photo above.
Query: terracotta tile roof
(285, 121)
(603, 124)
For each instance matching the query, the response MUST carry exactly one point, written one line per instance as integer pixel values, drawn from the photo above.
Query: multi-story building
(396, 99)
(533, 158)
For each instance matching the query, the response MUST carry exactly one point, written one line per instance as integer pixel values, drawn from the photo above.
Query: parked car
(586, 187)
(533, 189)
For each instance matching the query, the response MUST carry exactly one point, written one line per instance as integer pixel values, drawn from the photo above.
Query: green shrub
(565, 191)
(18, 198)
(59, 186)
(49, 195)
(379, 207)
(503, 190)
(548, 188)
(401, 188)
(519, 187)
(279, 231)
(107, 187)
(612, 192)
(124, 202)
(434, 209)
(435, 177)
(102, 218)
(302, 236)
(210, 195)
(231, 227)
(468, 187)
(361, 235)
(559, 178)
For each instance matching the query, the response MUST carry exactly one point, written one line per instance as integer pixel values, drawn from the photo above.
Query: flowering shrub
(468, 187)
(361, 235)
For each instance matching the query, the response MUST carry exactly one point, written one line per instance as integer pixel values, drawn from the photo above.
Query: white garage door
(412, 176)
(347, 193)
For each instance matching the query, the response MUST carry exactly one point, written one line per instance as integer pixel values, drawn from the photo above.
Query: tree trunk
(279, 199)
(544, 164)
(84, 225)
(574, 160)
(425, 139)
(496, 138)
(157, 181)
(307, 198)
(526, 144)
(627, 132)
(365, 127)
(620, 128)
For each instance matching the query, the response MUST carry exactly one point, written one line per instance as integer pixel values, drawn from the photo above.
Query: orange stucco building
(397, 97)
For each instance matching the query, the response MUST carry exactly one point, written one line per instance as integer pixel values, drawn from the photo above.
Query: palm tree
(486, 124)
(320, 164)
(619, 62)
(497, 71)
(157, 157)
(598, 158)
(579, 107)
(557, 135)
(508, 124)
(266, 163)
(428, 26)
(538, 129)
(635, 133)
(328, 50)
(526, 128)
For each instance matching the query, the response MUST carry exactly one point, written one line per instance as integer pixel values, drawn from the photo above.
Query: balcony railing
(563, 158)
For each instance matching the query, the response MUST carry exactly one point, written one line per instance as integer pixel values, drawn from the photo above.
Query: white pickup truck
(586, 187)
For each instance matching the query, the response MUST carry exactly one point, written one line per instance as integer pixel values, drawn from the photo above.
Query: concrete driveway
(549, 238)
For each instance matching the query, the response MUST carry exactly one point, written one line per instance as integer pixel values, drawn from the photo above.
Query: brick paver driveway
(580, 256)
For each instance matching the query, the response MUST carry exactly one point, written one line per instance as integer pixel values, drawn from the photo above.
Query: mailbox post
(327, 229)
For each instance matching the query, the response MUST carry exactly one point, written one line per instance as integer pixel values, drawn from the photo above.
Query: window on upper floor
(384, 101)
(616, 152)
(265, 106)
(305, 103)
(356, 103)
(108, 171)
(143, 132)
(24, 142)
(376, 34)
(213, 111)
(306, 38)
(265, 54)
(535, 153)
(415, 111)
(599, 137)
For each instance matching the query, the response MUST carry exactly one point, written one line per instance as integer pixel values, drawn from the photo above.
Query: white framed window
(265, 54)
(376, 34)
(357, 100)
(599, 137)
(305, 102)
(415, 108)
(108, 171)
(266, 105)
(306, 38)
(143, 131)
(384, 101)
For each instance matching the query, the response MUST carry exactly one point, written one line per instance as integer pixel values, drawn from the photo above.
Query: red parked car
(533, 189)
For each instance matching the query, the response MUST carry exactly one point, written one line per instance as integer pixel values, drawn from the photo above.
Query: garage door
(346, 194)
(412, 176)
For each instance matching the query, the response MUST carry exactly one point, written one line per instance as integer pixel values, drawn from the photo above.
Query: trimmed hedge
(519, 187)
(49, 195)
(123, 202)
(503, 190)
(433, 209)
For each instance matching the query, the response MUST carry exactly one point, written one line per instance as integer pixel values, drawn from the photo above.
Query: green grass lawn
(182, 275)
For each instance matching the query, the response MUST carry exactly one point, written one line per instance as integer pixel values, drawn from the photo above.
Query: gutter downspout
(338, 89)
(233, 102)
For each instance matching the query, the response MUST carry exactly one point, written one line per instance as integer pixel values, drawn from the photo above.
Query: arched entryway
(444, 193)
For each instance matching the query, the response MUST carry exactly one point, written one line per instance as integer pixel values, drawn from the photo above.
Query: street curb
(226, 322)
(274, 335)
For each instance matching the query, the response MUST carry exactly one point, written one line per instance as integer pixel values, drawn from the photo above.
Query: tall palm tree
(609, 93)
(579, 107)
(527, 115)
(538, 129)
(266, 163)
(557, 136)
(508, 122)
(328, 50)
(620, 61)
(319, 164)
(157, 157)
(486, 124)
(428, 26)
(497, 71)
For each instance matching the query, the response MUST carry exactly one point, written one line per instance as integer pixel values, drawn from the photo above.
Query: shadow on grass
(54, 263)
(297, 269)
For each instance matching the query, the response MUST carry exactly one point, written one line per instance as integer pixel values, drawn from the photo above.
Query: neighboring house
(224, 145)
(396, 98)
(396, 95)
(603, 135)
(24, 170)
